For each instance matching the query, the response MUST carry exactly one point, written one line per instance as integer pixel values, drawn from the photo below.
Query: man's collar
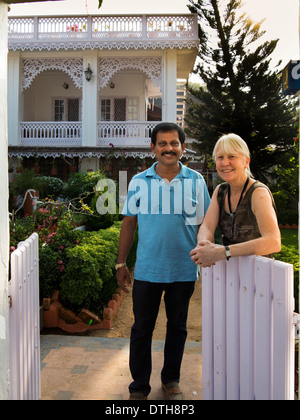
(184, 171)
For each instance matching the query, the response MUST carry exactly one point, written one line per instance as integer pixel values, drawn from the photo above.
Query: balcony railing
(102, 28)
(125, 134)
(69, 134)
(51, 134)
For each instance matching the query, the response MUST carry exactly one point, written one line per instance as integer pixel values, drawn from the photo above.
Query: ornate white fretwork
(103, 32)
(101, 45)
(98, 153)
(152, 66)
(34, 66)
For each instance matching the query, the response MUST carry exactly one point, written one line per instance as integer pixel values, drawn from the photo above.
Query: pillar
(4, 232)
(169, 86)
(90, 102)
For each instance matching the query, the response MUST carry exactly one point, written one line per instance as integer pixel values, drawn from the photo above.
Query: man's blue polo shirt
(168, 218)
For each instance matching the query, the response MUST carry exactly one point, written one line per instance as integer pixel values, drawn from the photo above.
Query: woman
(242, 207)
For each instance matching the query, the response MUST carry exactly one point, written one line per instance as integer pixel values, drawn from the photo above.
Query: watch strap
(120, 265)
(228, 253)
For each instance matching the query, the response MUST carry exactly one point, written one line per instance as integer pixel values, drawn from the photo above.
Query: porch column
(90, 103)
(169, 86)
(4, 237)
(14, 98)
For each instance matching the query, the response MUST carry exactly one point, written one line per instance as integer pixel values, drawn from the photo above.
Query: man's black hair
(165, 127)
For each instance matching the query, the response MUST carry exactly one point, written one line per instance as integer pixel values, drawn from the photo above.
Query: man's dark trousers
(146, 300)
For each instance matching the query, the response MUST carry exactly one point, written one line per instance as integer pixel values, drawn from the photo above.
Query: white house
(87, 90)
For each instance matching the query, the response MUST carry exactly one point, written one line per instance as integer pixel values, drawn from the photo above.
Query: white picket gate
(248, 335)
(24, 321)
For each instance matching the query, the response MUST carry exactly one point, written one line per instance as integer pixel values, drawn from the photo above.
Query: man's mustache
(168, 153)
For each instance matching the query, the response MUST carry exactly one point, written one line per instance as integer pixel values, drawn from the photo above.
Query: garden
(78, 263)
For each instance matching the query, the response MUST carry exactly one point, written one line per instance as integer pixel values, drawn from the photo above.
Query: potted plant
(36, 166)
(19, 165)
(53, 170)
(107, 166)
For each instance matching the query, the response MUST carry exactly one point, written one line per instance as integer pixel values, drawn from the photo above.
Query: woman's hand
(207, 253)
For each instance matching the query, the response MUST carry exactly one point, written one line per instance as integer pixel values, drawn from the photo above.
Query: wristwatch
(120, 265)
(228, 253)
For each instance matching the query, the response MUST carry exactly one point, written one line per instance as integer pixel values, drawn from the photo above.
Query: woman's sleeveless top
(242, 226)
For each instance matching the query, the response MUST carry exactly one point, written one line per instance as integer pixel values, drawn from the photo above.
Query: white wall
(128, 84)
(46, 86)
(4, 236)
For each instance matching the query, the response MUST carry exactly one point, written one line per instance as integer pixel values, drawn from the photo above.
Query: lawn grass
(289, 238)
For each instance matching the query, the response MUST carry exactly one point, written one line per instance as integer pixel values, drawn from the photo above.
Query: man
(167, 202)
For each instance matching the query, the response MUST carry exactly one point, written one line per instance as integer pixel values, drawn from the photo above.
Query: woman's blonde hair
(232, 143)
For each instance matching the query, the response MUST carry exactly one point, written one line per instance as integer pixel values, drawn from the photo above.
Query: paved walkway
(96, 368)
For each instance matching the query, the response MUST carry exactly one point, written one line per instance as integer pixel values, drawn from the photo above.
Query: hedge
(89, 280)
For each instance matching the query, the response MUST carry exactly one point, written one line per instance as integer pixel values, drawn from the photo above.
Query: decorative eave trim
(89, 152)
(100, 45)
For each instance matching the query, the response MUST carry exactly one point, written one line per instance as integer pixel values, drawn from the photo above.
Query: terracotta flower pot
(53, 171)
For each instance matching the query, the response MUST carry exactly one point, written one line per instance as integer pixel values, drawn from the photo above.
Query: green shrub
(53, 255)
(89, 280)
(81, 184)
(96, 221)
(49, 271)
(285, 214)
(79, 264)
(49, 186)
(286, 188)
(82, 284)
(20, 229)
(289, 255)
(27, 179)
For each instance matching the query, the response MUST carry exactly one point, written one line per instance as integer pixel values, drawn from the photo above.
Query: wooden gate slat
(247, 317)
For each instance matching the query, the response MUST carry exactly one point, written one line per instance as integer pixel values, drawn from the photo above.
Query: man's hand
(123, 278)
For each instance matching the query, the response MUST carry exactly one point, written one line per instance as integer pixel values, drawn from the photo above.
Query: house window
(119, 109)
(59, 110)
(105, 109)
(132, 109)
(66, 109)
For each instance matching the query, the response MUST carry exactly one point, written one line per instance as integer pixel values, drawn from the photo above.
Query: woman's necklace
(229, 204)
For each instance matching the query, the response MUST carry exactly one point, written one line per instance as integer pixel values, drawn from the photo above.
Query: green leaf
(100, 3)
